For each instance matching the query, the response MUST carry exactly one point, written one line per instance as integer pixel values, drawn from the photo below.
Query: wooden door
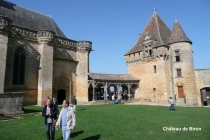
(180, 92)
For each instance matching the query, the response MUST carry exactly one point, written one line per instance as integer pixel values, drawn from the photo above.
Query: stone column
(83, 50)
(129, 88)
(45, 78)
(118, 87)
(94, 85)
(4, 31)
(107, 93)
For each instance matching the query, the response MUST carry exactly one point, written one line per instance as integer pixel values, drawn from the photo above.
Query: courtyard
(115, 122)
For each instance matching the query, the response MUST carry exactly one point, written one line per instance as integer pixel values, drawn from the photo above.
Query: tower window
(19, 67)
(155, 70)
(179, 73)
(150, 52)
(177, 56)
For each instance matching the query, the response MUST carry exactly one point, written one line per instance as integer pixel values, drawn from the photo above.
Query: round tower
(183, 84)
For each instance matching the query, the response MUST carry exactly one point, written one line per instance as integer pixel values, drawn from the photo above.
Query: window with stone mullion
(19, 67)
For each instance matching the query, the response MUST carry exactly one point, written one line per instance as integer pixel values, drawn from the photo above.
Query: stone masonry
(48, 61)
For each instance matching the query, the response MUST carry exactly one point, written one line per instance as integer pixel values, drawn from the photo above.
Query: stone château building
(162, 59)
(38, 59)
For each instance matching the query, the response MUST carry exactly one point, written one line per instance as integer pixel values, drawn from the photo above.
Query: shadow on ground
(5, 118)
(30, 110)
(74, 134)
(81, 109)
(97, 137)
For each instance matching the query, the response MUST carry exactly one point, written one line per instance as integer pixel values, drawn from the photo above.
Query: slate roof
(113, 77)
(159, 31)
(28, 19)
(178, 34)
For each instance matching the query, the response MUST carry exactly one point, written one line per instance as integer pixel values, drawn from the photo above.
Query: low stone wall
(11, 103)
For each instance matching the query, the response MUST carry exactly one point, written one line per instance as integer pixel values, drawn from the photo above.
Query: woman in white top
(113, 99)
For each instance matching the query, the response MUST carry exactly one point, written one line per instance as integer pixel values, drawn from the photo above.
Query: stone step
(180, 102)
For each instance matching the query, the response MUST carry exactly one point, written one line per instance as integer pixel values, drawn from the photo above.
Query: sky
(113, 26)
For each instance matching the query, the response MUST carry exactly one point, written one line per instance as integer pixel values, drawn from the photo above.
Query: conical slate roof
(29, 19)
(178, 34)
(159, 31)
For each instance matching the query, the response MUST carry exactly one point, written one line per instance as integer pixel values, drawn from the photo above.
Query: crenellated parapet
(158, 54)
(45, 35)
(5, 23)
(84, 45)
(42, 35)
(23, 32)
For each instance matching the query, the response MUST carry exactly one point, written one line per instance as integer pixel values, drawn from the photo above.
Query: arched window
(19, 67)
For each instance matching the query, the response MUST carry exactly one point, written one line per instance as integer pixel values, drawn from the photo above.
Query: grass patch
(115, 122)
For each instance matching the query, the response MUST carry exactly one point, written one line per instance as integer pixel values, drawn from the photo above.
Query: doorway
(205, 96)
(180, 92)
(61, 96)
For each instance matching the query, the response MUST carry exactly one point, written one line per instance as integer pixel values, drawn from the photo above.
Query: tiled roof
(28, 19)
(178, 34)
(159, 31)
(113, 77)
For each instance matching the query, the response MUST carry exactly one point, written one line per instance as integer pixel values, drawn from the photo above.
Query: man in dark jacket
(49, 113)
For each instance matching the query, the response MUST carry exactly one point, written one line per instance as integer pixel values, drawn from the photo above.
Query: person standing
(113, 99)
(172, 104)
(66, 120)
(45, 101)
(125, 95)
(74, 103)
(55, 102)
(49, 113)
(119, 98)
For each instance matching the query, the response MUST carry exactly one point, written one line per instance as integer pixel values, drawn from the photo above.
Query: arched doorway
(205, 96)
(61, 95)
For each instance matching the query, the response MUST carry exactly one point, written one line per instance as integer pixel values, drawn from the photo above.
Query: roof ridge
(109, 73)
(156, 20)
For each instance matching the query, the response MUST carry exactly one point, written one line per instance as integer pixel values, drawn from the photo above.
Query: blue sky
(113, 26)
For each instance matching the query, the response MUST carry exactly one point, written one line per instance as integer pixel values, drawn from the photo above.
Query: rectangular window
(146, 53)
(179, 73)
(177, 56)
(155, 69)
(150, 52)
(154, 92)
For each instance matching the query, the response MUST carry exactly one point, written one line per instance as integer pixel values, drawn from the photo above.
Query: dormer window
(148, 43)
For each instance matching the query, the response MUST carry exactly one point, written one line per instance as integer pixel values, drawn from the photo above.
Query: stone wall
(186, 64)
(64, 53)
(164, 83)
(11, 103)
(31, 64)
(32, 60)
(202, 77)
(153, 85)
(3, 52)
(82, 75)
(67, 69)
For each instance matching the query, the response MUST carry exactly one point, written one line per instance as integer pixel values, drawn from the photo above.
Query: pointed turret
(158, 31)
(178, 34)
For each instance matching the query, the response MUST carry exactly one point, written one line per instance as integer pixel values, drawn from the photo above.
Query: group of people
(117, 97)
(66, 119)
